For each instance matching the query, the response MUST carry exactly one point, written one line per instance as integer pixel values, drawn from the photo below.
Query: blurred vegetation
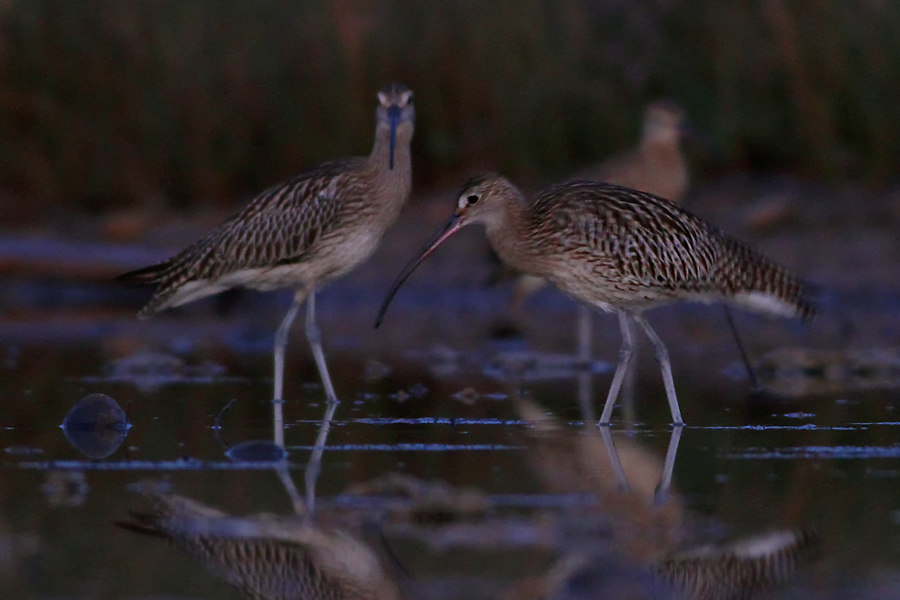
(105, 103)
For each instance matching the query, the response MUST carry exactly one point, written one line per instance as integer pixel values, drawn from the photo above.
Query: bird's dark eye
(472, 199)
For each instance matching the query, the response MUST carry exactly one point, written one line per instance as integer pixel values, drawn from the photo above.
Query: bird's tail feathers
(152, 274)
(145, 523)
(761, 285)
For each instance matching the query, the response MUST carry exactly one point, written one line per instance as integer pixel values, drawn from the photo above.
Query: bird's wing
(634, 234)
(637, 239)
(280, 225)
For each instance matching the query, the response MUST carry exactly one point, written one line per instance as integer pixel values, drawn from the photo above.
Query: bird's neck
(380, 158)
(508, 232)
(665, 152)
(393, 184)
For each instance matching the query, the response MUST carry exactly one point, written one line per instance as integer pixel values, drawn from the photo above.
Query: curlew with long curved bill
(300, 234)
(623, 251)
(657, 166)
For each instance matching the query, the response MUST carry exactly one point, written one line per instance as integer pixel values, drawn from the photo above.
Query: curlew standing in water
(300, 234)
(657, 166)
(623, 251)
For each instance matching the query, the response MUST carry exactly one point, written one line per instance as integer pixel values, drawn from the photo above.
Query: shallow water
(458, 464)
(466, 470)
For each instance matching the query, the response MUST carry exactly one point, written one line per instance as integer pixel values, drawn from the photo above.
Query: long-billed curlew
(656, 166)
(623, 251)
(300, 234)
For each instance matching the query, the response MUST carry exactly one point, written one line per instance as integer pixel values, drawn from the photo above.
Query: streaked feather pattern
(743, 569)
(301, 233)
(617, 247)
(266, 557)
(620, 250)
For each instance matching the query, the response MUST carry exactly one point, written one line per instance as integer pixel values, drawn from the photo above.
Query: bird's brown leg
(585, 334)
(290, 487)
(619, 471)
(665, 365)
(314, 336)
(625, 353)
(751, 374)
(665, 480)
(314, 466)
(281, 338)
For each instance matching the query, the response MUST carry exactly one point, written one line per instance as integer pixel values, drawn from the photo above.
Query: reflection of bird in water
(623, 251)
(794, 372)
(657, 166)
(647, 559)
(300, 234)
(269, 557)
(630, 481)
(741, 570)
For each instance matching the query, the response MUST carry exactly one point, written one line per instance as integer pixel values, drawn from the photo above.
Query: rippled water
(450, 471)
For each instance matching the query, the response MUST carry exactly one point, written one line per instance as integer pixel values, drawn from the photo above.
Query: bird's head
(482, 199)
(396, 113)
(664, 122)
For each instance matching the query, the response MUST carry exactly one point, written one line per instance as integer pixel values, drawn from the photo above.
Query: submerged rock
(149, 371)
(256, 451)
(65, 488)
(806, 371)
(96, 426)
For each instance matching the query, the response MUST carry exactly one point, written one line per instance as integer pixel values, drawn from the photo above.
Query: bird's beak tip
(453, 224)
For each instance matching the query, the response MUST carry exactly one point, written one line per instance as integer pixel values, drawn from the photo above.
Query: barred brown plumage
(744, 568)
(656, 166)
(302, 233)
(644, 250)
(623, 251)
(268, 557)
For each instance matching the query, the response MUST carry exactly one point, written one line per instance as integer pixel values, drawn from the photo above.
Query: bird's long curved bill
(448, 229)
(394, 113)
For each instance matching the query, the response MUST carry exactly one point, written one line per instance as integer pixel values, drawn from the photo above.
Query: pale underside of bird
(300, 234)
(623, 251)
